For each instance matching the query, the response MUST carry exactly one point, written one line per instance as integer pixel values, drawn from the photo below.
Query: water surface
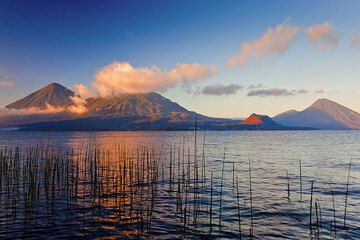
(155, 207)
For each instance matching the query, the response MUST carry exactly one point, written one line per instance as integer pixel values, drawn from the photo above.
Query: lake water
(153, 185)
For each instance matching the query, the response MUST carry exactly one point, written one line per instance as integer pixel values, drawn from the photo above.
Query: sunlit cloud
(355, 41)
(220, 90)
(277, 40)
(323, 35)
(49, 109)
(79, 105)
(122, 77)
(274, 41)
(83, 91)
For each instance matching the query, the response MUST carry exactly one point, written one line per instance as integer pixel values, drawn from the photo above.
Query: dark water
(176, 185)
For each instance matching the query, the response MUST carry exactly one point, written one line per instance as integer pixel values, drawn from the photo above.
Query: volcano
(322, 114)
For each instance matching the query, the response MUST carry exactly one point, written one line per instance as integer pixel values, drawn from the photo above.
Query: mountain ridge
(140, 111)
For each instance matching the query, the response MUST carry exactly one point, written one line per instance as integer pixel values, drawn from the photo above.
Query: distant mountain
(142, 111)
(54, 95)
(322, 114)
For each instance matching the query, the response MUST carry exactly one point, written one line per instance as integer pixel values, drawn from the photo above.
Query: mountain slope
(150, 105)
(323, 114)
(286, 114)
(54, 95)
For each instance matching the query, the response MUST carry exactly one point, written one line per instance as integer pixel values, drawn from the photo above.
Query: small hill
(256, 119)
(322, 114)
(53, 94)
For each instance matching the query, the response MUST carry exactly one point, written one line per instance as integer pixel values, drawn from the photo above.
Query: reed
(39, 184)
(347, 194)
(211, 201)
(203, 165)
(233, 175)
(221, 187)
(238, 206)
(251, 230)
(301, 187)
(288, 185)
(311, 203)
(334, 209)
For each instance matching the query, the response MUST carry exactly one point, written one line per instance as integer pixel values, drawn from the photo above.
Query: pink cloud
(274, 41)
(122, 77)
(323, 35)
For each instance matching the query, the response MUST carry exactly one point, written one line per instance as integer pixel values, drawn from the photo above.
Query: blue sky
(69, 42)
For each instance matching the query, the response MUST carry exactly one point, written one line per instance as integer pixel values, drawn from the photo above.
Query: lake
(164, 185)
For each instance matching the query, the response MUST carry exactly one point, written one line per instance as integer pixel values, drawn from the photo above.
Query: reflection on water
(173, 184)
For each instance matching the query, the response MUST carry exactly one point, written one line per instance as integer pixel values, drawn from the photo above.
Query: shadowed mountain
(322, 114)
(54, 95)
(286, 114)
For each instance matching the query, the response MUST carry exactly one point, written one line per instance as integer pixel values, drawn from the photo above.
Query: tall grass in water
(301, 187)
(347, 194)
(221, 188)
(133, 186)
(251, 233)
